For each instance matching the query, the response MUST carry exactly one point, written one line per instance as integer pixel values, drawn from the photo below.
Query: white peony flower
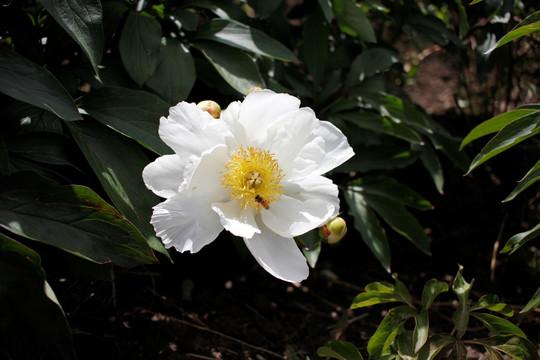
(256, 172)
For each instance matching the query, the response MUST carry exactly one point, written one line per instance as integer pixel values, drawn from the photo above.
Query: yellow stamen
(253, 175)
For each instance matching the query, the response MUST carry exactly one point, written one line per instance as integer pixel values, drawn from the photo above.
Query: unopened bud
(253, 88)
(210, 107)
(333, 231)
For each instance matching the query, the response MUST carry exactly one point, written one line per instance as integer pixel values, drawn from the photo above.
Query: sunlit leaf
(134, 113)
(33, 326)
(28, 82)
(139, 46)
(401, 290)
(82, 20)
(517, 347)
(222, 8)
(340, 350)
(310, 244)
(496, 123)
(72, 218)
(498, 325)
(236, 67)
(352, 20)
(241, 36)
(518, 240)
(366, 222)
(492, 302)
(118, 163)
(370, 298)
(434, 346)
(533, 303)
(512, 134)
(529, 25)
(388, 329)
(461, 316)
(431, 290)
(421, 330)
(532, 176)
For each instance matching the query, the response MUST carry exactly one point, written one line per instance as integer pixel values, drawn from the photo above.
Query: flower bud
(210, 107)
(253, 88)
(333, 231)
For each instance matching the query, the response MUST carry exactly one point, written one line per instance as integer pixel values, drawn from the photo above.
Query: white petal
(236, 219)
(189, 131)
(337, 149)
(204, 174)
(278, 255)
(262, 109)
(304, 206)
(186, 222)
(164, 175)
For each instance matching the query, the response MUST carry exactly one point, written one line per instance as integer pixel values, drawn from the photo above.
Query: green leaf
(517, 347)
(492, 302)
(434, 346)
(184, 19)
(45, 147)
(134, 113)
(400, 110)
(381, 124)
(496, 123)
(432, 164)
(366, 222)
(370, 298)
(518, 240)
(175, 72)
(388, 187)
(369, 63)
(315, 49)
(431, 290)
(326, 7)
(139, 46)
(461, 316)
(530, 178)
(352, 20)
(222, 8)
(388, 329)
(118, 163)
(401, 290)
(498, 325)
(512, 134)
(401, 220)
(235, 66)
(533, 303)
(529, 25)
(243, 37)
(311, 246)
(23, 80)
(72, 218)
(82, 20)
(33, 326)
(340, 350)
(264, 8)
(421, 330)
(379, 157)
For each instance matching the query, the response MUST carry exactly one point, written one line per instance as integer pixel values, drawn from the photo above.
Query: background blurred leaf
(134, 113)
(236, 67)
(28, 82)
(378, 157)
(241, 36)
(139, 46)
(369, 63)
(315, 49)
(33, 326)
(72, 218)
(82, 20)
(352, 20)
(118, 163)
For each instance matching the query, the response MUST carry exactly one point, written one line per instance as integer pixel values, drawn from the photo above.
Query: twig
(225, 336)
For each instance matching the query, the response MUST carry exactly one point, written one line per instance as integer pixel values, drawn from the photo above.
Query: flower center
(253, 175)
